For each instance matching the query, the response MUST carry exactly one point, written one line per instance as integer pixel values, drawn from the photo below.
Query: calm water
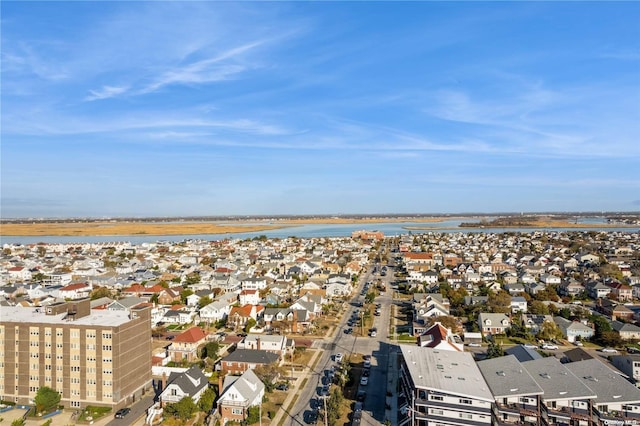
(302, 231)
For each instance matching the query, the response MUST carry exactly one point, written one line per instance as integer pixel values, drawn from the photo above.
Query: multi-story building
(91, 357)
(442, 388)
(517, 395)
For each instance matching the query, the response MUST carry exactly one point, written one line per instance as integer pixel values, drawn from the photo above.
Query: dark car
(121, 413)
(311, 417)
(361, 396)
(282, 387)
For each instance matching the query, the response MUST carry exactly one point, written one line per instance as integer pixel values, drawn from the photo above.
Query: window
(466, 416)
(436, 412)
(237, 411)
(437, 398)
(106, 347)
(466, 401)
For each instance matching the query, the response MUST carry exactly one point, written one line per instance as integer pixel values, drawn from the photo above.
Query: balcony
(617, 416)
(569, 413)
(521, 409)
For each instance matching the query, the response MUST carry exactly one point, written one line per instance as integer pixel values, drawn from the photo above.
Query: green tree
(250, 324)
(549, 330)
(611, 338)
(253, 415)
(370, 297)
(207, 399)
(204, 301)
(538, 308)
(335, 401)
(191, 279)
(494, 351)
(99, 292)
(184, 294)
(601, 325)
(211, 350)
(17, 422)
(183, 409)
(46, 399)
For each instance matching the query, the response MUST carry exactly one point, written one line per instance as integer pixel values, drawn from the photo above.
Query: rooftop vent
(501, 373)
(545, 375)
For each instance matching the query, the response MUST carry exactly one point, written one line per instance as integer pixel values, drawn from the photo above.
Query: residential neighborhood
(228, 323)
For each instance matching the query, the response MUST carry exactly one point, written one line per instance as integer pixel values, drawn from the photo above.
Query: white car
(549, 347)
(530, 346)
(338, 357)
(367, 363)
(609, 350)
(474, 345)
(578, 343)
(364, 381)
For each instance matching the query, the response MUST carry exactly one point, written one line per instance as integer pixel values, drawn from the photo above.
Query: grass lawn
(93, 413)
(271, 407)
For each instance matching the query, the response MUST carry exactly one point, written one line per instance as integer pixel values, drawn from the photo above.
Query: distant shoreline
(137, 228)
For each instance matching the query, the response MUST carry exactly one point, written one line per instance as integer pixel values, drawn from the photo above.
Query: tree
(601, 325)
(191, 279)
(250, 324)
(207, 400)
(253, 415)
(334, 402)
(499, 302)
(538, 308)
(184, 294)
(99, 292)
(268, 374)
(46, 399)
(447, 321)
(549, 330)
(183, 409)
(494, 351)
(204, 301)
(211, 350)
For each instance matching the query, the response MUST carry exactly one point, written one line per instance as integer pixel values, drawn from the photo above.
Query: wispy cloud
(105, 92)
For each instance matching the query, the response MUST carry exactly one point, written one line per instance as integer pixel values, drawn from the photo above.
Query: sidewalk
(293, 393)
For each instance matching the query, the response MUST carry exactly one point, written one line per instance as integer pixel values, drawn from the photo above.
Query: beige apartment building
(91, 357)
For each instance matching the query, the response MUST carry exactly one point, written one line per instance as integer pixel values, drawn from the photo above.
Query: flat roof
(451, 372)
(34, 315)
(506, 377)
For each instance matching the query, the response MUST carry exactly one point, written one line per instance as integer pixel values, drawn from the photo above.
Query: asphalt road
(138, 411)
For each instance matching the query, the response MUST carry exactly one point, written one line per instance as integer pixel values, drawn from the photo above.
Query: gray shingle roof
(251, 356)
(506, 377)
(191, 381)
(556, 380)
(609, 386)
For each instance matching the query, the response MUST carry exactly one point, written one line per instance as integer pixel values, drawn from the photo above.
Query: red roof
(77, 286)
(192, 335)
(426, 256)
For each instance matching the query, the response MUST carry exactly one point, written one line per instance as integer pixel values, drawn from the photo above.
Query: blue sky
(243, 108)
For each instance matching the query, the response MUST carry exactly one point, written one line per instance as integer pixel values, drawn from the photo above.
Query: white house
(239, 393)
(215, 311)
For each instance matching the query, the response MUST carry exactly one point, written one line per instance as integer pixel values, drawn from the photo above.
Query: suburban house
(614, 310)
(518, 304)
(185, 345)
(571, 330)
(238, 394)
(621, 292)
(249, 297)
(570, 288)
(215, 311)
(270, 343)
(75, 291)
(239, 315)
(190, 383)
(440, 337)
(596, 289)
(241, 360)
(491, 323)
(626, 330)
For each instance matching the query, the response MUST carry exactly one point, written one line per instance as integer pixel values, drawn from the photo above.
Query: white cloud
(105, 93)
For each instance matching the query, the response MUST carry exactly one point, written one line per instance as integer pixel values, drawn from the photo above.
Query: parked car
(338, 357)
(474, 345)
(311, 417)
(361, 396)
(609, 350)
(367, 363)
(348, 330)
(530, 346)
(549, 346)
(364, 381)
(578, 343)
(121, 413)
(282, 387)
